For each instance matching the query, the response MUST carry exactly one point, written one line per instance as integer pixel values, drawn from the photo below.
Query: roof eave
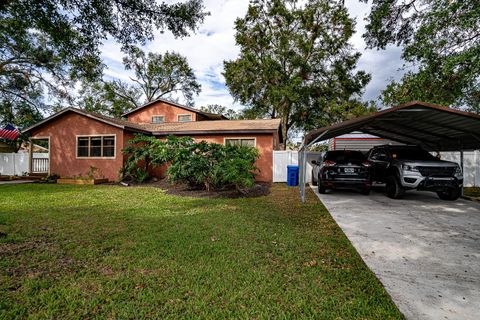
(212, 132)
(46, 120)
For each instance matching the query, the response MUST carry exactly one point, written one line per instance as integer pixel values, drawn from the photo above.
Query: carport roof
(434, 127)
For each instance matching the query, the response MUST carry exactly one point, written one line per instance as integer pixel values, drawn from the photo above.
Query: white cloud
(214, 42)
(383, 65)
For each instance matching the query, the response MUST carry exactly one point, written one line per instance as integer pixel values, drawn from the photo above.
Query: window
(411, 153)
(184, 117)
(246, 142)
(158, 119)
(379, 154)
(96, 147)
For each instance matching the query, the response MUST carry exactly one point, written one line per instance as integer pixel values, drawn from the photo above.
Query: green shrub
(210, 165)
(144, 153)
(51, 178)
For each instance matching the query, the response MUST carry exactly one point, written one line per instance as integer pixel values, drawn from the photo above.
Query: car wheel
(451, 194)
(365, 191)
(393, 188)
(314, 181)
(321, 188)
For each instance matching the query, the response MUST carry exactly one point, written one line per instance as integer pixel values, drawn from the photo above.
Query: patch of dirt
(36, 257)
(260, 189)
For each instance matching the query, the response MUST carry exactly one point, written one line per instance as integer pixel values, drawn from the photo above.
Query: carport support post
(463, 172)
(304, 173)
(303, 163)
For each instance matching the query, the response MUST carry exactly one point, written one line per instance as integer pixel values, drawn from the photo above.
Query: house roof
(434, 127)
(119, 123)
(195, 127)
(219, 126)
(211, 116)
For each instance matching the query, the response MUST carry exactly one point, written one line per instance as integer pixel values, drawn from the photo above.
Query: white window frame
(186, 114)
(157, 115)
(101, 148)
(240, 138)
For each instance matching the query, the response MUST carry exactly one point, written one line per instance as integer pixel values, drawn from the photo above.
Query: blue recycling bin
(292, 176)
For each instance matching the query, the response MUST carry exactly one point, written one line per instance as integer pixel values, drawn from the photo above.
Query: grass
(472, 192)
(108, 252)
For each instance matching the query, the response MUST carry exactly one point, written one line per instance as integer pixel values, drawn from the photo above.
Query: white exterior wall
(358, 141)
(16, 163)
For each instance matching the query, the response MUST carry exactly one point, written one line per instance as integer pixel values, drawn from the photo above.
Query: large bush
(143, 154)
(211, 165)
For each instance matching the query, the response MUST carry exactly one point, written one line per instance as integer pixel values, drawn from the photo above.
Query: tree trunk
(285, 117)
(284, 133)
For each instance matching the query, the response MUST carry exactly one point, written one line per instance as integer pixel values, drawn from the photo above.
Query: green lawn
(472, 192)
(112, 252)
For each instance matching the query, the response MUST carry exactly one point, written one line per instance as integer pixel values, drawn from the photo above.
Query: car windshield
(411, 154)
(344, 156)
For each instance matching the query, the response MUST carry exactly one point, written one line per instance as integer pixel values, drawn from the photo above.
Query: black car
(342, 169)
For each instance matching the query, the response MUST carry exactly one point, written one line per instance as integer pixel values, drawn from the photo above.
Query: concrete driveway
(425, 251)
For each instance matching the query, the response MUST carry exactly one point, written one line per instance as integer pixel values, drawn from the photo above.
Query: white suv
(404, 168)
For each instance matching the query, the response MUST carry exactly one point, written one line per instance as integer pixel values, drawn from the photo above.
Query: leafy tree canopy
(156, 76)
(441, 42)
(295, 62)
(47, 44)
(219, 109)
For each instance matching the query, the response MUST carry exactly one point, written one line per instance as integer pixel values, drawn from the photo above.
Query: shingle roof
(196, 127)
(214, 126)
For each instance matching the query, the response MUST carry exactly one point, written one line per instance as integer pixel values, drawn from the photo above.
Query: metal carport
(434, 127)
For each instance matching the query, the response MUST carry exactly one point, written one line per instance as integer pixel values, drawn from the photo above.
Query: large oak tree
(46, 45)
(155, 76)
(296, 63)
(441, 47)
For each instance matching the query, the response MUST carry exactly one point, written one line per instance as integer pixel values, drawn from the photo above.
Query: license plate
(349, 170)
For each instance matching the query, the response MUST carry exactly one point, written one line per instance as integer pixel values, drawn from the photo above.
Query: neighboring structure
(357, 141)
(78, 139)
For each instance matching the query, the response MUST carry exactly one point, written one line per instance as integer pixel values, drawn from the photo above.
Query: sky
(214, 43)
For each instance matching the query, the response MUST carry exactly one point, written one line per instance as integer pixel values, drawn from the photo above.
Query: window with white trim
(158, 119)
(246, 142)
(184, 117)
(96, 147)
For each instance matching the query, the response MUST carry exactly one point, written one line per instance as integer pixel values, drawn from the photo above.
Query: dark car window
(344, 156)
(410, 154)
(379, 154)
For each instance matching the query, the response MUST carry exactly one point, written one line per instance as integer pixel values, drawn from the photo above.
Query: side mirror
(315, 162)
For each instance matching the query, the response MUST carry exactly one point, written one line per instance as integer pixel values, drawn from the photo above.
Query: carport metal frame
(436, 128)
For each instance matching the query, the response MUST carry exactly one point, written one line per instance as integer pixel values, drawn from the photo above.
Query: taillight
(366, 164)
(329, 163)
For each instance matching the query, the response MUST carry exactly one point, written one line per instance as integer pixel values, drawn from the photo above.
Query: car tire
(393, 188)
(314, 181)
(321, 188)
(450, 195)
(365, 191)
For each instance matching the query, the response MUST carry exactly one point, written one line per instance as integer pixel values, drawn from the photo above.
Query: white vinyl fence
(281, 159)
(17, 163)
(471, 165)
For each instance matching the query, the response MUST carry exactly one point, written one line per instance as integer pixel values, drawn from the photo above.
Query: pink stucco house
(78, 139)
